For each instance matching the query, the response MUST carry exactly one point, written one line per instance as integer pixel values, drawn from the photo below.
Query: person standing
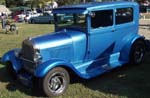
(3, 20)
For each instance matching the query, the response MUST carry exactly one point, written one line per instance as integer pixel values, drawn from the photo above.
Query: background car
(27, 16)
(45, 18)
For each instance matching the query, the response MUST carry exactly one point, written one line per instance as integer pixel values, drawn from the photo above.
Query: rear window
(124, 15)
(102, 18)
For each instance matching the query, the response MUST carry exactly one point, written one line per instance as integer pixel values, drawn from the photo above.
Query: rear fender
(43, 68)
(125, 52)
(15, 61)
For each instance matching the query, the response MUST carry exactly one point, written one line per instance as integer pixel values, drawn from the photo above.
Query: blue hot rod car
(98, 38)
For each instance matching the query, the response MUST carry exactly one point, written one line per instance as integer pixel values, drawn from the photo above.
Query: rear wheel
(137, 52)
(50, 22)
(33, 21)
(55, 82)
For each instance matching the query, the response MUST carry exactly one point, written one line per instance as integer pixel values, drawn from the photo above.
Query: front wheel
(55, 82)
(137, 52)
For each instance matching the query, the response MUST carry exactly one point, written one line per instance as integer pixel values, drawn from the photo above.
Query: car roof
(84, 7)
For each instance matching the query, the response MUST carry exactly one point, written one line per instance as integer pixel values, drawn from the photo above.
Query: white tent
(4, 9)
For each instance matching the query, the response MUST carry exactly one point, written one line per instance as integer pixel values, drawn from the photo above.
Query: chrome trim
(26, 60)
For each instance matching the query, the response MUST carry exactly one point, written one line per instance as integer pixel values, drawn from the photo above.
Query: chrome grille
(27, 55)
(27, 50)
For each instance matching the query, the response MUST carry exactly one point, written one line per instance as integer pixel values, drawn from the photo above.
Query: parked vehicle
(45, 18)
(98, 38)
(26, 16)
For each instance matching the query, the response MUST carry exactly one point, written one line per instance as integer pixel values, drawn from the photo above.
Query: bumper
(25, 78)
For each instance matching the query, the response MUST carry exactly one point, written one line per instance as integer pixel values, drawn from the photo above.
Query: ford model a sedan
(89, 39)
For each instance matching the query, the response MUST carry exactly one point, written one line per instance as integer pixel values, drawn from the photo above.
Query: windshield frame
(57, 28)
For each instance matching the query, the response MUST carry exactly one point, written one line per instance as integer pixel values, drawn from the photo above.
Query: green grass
(146, 16)
(2, 1)
(125, 82)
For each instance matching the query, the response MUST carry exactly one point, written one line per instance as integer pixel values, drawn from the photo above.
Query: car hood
(57, 39)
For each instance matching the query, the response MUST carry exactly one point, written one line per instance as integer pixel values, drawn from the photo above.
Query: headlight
(37, 56)
(17, 52)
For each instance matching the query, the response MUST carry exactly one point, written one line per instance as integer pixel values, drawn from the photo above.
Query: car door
(42, 18)
(125, 25)
(101, 37)
(46, 18)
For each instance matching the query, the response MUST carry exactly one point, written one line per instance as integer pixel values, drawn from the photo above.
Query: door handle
(113, 30)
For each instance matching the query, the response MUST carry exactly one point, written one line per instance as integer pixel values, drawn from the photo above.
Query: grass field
(125, 82)
(145, 16)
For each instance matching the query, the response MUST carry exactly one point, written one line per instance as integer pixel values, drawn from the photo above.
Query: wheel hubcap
(56, 83)
(139, 53)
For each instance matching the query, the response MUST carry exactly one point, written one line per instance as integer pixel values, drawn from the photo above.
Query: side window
(102, 18)
(124, 15)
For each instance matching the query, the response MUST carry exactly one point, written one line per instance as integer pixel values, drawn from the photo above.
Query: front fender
(43, 68)
(10, 56)
(125, 52)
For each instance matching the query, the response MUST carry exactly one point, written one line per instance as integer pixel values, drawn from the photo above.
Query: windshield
(70, 21)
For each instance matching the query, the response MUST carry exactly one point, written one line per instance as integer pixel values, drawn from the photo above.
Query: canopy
(4, 9)
(20, 8)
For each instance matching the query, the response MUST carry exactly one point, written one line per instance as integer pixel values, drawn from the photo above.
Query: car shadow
(123, 81)
(13, 84)
(129, 81)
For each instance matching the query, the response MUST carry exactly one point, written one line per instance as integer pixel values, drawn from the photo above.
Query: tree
(12, 3)
(2, 2)
(9, 3)
(66, 2)
(37, 3)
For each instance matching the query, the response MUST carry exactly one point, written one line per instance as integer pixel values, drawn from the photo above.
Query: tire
(32, 21)
(56, 82)
(50, 22)
(137, 52)
(11, 70)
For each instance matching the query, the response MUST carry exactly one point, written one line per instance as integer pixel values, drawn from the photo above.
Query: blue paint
(16, 62)
(88, 52)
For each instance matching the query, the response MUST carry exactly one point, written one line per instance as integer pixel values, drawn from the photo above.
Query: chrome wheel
(56, 83)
